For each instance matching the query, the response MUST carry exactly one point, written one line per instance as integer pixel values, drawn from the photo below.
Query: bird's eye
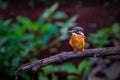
(76, 30)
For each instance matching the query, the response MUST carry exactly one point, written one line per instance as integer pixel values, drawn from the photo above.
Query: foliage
(105, 36)
(73, 73)
(13, 48)
(22, 40)
(116, 30)
(100, 38)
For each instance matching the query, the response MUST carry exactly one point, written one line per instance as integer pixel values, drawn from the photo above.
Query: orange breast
(77, 42)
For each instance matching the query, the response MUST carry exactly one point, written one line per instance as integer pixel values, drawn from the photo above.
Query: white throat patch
(74, 34)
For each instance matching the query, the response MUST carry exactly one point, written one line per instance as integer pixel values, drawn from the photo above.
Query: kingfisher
(77, 40)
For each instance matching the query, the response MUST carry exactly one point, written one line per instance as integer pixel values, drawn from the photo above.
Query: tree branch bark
(65, 56)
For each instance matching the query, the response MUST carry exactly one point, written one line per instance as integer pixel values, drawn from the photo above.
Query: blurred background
(35, 29)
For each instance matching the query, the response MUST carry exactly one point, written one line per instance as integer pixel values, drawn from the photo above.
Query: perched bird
(77, 40)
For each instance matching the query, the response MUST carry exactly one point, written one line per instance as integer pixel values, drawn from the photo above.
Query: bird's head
(77, 30)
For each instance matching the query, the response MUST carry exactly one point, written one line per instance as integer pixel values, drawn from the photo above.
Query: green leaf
(41, 22)
(83, 65)
(44, 29)
(53, 29)
(73, 19)
(104, 31)
(116, 28)
(73, 77)
(42, 77)
(60, 24)
(57, 68)
(24, 21)
(3, 40)
(46, 38)
(48, 69)
(59, 15)
(4, 26)
(33, 26)
(48, 12)
(16, 61)
(98, 38)
(16, 30)
(6, 22)
(54, 7)
(68, 67)
(70, 22)
(28, 37)
(64, 33)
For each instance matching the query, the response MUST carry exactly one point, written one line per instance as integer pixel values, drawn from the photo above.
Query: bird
(77, 40)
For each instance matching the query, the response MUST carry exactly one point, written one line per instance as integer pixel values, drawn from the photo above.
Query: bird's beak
(70, 31)
(81, 33)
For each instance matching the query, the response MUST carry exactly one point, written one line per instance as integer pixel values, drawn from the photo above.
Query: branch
(65, 56)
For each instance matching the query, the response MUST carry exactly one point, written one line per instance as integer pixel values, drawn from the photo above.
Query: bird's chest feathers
(76, 40)
(76, 37)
